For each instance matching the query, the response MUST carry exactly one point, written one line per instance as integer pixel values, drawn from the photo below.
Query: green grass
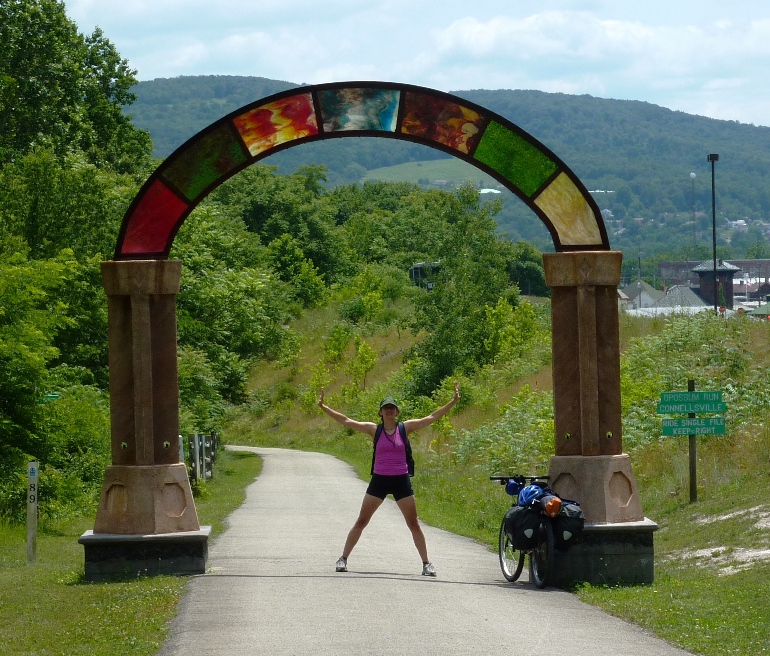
(48, 609)
(706, 597)
(453, 171)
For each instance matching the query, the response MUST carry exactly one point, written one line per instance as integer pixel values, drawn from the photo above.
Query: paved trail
(272, 589)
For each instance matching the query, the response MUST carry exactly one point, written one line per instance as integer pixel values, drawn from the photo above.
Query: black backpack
(402, 430)
(522, 524)
(568, 525)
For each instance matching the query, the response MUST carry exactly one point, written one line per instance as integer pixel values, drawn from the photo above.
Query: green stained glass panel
(515, 158)
(205, 161)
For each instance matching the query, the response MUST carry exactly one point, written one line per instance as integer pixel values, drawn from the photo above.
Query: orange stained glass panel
(441, 120)
(277, 122)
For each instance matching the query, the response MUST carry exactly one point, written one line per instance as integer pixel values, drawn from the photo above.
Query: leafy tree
(49, 205)
(81, 341)
(525, 268)
(362, 362)
(63, 90)
(509, 330)
(201, 404)
(271, 206)
(758, 251)
(30, 316)
(230, 306)
(293, 267)
(454, 315)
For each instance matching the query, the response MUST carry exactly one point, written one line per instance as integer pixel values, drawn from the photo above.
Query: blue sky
(706, 57)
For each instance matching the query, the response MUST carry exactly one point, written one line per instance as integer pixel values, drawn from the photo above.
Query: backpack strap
(377, 434)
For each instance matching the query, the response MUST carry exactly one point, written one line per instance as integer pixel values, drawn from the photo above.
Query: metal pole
(694, 230)
(693, 453)
(713, 158)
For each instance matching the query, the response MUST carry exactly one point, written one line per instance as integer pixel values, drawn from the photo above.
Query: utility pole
(692, 206)
(713, 158)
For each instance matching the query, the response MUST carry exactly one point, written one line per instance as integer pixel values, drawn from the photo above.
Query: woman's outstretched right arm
(347, 422)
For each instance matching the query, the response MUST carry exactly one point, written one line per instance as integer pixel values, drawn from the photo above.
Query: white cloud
(700, 56)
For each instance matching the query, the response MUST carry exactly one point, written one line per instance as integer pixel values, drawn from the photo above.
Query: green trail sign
(674, 403)
(691, 397)
(694, 426)
(690, 403)
(677, 408)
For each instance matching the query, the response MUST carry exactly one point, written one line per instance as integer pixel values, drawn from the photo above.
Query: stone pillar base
(604, 486)
(109, 557)
(146, 500)
(610, 554)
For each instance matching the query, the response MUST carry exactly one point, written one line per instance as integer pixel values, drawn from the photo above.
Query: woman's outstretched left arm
(415, 424)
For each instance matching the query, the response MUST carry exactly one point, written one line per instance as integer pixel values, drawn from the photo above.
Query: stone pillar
(146, 490)
(589, 464)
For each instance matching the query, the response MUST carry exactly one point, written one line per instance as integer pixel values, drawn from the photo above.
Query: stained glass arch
(468, 131)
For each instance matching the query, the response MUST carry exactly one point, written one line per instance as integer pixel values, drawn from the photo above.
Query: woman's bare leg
(368, 508)
(408, 507)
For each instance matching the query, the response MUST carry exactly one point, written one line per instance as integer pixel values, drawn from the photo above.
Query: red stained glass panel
(153, 220)
(441, 120)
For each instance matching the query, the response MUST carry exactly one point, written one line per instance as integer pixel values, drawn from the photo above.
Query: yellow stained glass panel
(569, 212)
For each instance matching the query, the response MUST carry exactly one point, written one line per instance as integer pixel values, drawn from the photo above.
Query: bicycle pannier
(522, 525)
(568, 525)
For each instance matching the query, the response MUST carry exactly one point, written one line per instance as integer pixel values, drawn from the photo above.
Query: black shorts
(399, 486)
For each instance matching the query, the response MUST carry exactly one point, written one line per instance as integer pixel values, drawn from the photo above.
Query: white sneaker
(342, 565)
(428, 570)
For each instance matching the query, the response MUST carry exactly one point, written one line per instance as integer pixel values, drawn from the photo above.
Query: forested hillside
(636, 157)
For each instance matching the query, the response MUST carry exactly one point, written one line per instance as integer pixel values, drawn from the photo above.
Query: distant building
(641, 295)
(763, 311)
(680, 296)
(422, 274)
(681, 273)
(717, 289)
(740, 225)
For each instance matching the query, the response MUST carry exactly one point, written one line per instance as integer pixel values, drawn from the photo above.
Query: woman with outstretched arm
(390, 471)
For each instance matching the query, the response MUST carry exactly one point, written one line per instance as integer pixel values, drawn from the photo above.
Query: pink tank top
(390, 455)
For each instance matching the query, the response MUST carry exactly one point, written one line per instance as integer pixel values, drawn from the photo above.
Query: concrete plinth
(610, 554)
(110, 556)
(604, 486)
(146, 500)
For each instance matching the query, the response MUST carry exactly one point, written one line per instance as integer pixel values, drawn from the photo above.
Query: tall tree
(472, 279)
(63, 90)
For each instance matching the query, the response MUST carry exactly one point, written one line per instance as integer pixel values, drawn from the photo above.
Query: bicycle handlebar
(519, 478)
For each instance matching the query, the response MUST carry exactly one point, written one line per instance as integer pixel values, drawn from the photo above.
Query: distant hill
(642, 153)
(175, 109)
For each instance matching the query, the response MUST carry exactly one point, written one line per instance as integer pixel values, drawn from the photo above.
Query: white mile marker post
(32, 498)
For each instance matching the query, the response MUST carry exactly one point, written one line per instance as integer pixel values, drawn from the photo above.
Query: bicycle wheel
(511, 559)
(541, 557)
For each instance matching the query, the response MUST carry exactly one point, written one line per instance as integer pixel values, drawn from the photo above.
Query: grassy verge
(48, 609)
(711, 565)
